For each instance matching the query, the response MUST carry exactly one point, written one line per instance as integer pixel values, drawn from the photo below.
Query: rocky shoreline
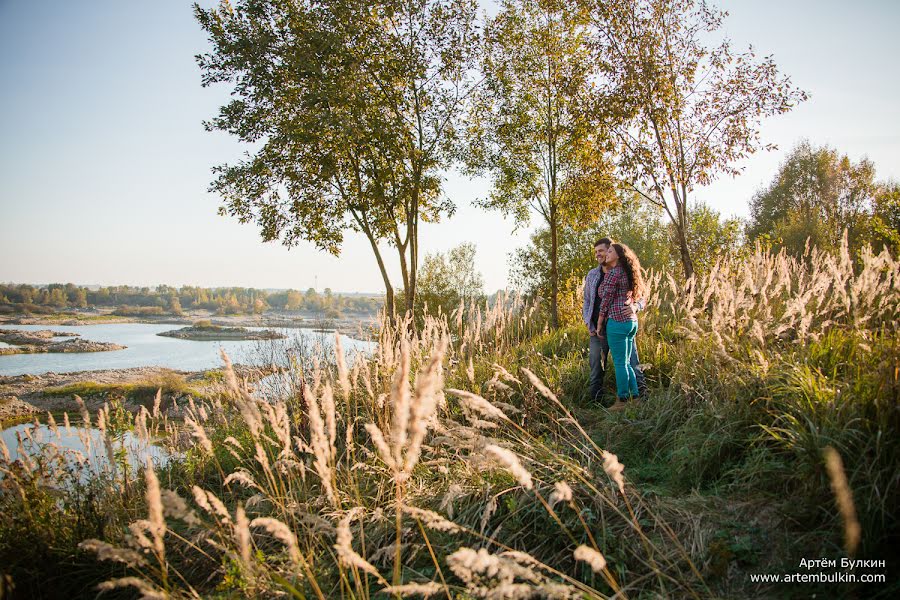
(32, 342)
(220, 334)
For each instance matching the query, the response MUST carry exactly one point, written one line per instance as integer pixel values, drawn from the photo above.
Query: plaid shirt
(591, 282)
(615, 297)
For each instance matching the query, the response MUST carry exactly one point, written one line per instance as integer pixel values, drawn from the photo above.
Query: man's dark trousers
(598, 358)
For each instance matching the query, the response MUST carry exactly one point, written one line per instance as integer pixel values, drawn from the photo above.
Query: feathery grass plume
(140, 425)
(282, 533)
(262, 458)
(147, 591)
(614, 469)
(843, 498)
(347, 555)
(477, 404)
(400, 399)
(174, 506)
(155, 510)
(242, 538)
(322, 450)
(381, 446)
(591, 557)
(199, 433)
(539, 385)
(561, 493)
(157, 400)
(343, 376)
(4, 452)
(425, 590)
(138, 530)
(491, 576)
(51, 422)
(85, 415)
(66, 423)
(328, 408)
(231, 440)
(510, 462)
(499, 370)
(282, 426)
(470, 371)
(244, 478)
(201, 499)
(106, 551)
(431, 519)
(424, 405)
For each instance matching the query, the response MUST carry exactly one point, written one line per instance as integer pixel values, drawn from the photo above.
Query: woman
(617, 319)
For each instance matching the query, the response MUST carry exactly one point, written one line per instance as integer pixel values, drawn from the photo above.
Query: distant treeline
(132, 300)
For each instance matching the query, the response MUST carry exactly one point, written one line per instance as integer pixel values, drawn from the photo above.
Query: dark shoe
(619, 406)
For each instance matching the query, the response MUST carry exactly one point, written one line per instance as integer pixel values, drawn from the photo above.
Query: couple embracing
(613, 295)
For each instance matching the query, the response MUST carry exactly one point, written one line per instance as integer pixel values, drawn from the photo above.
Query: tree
(640, 225)
(816, 195)
(631, 222)
(710, 237)
(446, 280)
(354, 106)
(885, 221)
(682, 112)
(527, 128)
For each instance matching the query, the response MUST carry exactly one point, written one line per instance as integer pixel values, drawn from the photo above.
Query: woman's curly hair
(629, 262)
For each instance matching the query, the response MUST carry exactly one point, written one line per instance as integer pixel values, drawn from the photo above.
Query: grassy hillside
(463, 461)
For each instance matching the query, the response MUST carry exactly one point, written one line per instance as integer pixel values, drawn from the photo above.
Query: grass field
(463, 460)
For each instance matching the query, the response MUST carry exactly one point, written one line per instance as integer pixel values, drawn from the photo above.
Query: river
(145, 348)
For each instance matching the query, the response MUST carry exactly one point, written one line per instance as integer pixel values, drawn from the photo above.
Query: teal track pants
(620, 336)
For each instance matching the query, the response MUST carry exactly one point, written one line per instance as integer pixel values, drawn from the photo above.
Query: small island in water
(33, 342)
(206, 331)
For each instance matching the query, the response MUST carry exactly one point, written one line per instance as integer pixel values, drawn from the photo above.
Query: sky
(105, 165)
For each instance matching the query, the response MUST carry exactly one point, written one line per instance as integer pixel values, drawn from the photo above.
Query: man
(598, 350)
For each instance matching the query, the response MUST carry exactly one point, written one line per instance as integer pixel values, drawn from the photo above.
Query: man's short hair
(605, 241)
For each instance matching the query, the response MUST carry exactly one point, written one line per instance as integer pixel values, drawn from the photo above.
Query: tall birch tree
(527, 128)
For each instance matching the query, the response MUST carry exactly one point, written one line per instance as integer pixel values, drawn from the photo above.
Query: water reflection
(82, 449)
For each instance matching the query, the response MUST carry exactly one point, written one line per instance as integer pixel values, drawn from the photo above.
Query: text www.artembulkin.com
(828, 570)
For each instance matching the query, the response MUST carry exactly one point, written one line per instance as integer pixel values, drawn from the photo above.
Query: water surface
(145, 348)
(71, 444)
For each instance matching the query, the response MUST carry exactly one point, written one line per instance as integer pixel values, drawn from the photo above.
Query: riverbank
(25, 395)
(207, 332)
(353, 325)
(34, 342)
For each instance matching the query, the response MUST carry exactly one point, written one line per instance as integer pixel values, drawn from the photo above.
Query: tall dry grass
(448, 464)
(404, 474)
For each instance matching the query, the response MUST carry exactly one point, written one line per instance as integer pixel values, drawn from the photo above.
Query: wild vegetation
(131, 301)
(460, 461)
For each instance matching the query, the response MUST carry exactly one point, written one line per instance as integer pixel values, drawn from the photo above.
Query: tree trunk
(686, 262)
(554, 271)
(388, 288)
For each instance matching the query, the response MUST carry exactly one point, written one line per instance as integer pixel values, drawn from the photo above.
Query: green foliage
(142, 301)
(640, 226)
(527, 129)
(446, 280)
(355, 105)
(683, 111)
(818, 194)
(143, 391)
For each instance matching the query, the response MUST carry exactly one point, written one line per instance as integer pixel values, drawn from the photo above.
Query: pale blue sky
(104, 164)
